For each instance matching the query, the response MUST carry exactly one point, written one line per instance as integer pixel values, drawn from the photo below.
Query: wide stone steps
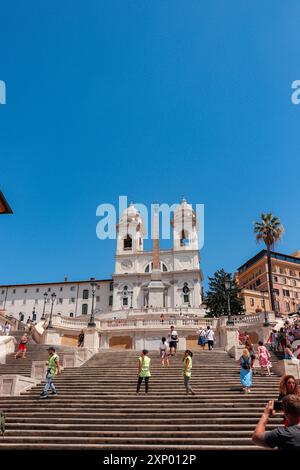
(96, 407)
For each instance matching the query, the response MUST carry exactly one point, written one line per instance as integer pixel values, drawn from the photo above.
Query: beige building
(252, 278)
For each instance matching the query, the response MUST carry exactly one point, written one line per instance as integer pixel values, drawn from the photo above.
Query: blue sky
(150, 99)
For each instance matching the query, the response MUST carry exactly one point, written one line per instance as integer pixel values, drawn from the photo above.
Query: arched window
(125, 296)
(184, 238)
(71, 314)
(128, 242)
(186, 293)
(149, 267)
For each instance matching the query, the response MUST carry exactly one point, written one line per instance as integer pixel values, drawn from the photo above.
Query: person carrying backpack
(246, 371)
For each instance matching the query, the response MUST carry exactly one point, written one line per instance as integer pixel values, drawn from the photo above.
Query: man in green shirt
(143, 371)
(53, 369)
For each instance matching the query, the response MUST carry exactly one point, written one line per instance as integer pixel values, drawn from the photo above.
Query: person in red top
(22, 348)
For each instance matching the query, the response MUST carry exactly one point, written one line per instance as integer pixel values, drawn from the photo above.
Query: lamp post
(92, 323)
(53, 297)
(45, 301)
(33, 314)
(227, 288)
(266, 323)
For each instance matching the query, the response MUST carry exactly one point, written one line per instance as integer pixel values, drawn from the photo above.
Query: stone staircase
(96, 407)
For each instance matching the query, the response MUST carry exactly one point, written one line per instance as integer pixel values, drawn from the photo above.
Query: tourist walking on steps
(187, 371)
(22, 348)
(81, 339)
(202, 338)
(250, 347)
(53, 369)
(210, 337)
(7, 328)
(173, 340)
(246, 371)
(163, 348)
(264, 358)
(143, 371)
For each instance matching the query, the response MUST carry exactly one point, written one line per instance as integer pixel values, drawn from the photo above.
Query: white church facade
(160, 280)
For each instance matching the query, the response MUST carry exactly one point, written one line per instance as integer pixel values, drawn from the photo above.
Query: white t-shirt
(210, 335)
(174, 335)
(163, 346)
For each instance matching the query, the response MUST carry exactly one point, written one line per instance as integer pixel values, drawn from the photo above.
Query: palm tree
(269, 230)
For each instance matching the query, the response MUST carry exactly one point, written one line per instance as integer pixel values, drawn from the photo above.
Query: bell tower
(185, 228)
(130, 232)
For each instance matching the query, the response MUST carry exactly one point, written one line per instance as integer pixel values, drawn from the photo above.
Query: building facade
(155, 279)
(252, 276)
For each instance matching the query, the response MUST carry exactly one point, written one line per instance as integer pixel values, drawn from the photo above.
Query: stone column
(91, 339)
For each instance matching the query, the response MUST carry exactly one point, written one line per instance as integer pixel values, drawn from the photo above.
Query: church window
(186, 293)
(110, 300)
(125, 301)
(184, 239)
(128, 243)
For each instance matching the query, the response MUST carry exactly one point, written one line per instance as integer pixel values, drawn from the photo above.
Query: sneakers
(43, 395)
(54, 393)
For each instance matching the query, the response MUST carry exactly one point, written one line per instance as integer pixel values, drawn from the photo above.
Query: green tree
(216, 298)
(269, 230)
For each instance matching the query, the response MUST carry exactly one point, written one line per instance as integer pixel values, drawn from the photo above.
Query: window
(296, 295)
(258, 282)
(110, 300)
(286, 293)
(14, 291)
(164, 267)
(72, 300)
(98, 298)
(71, 314)
(293, 282)
(128, 243)
(85, 294)
(282, 271)
(186, 293)
(49, 289)
(60, 300)
(2, 292)
(287, 306)
(292, 273)
(283, 279)
(84, 309)
(37, 290)
(276, 291)
(147, 268)
(98, 287)
(61, 289)
(275, 279)
(184, 239)
(72, 288)
(251, 302)
(125, 301)
(277, 306)
(111, 286)
(25, 291)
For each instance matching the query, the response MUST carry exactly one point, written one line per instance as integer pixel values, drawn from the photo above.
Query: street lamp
(92, 323)
(45, 301)
(33, 314)
(227, 288)
(266, 323)
(53, 297)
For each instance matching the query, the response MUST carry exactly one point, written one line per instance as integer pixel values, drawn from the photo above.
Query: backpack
(245, 365)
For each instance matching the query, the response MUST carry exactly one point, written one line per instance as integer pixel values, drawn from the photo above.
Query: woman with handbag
(246, 371)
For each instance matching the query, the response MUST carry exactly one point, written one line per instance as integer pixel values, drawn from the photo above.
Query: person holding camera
(283, 437)
(246, 371)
